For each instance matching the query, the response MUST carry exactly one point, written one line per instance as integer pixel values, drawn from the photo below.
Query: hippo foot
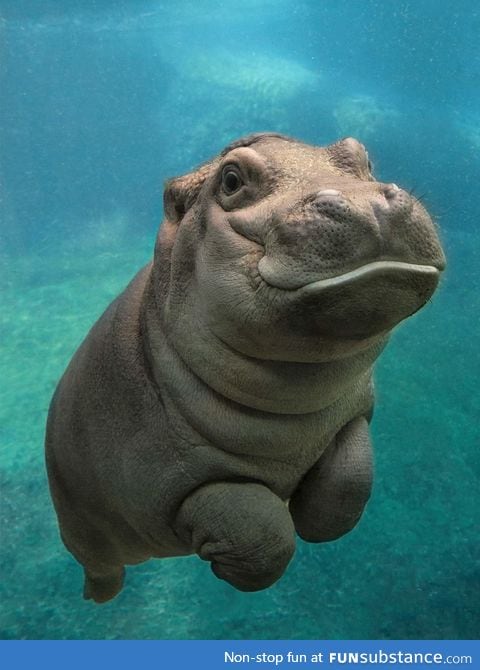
(331, 498)
(245, 581)
(103, 588)
(244, 529)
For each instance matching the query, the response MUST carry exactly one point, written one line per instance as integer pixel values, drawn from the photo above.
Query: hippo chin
(234, 374)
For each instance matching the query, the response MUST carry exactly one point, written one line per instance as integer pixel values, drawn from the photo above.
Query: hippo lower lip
(368, 270)
(364, 302)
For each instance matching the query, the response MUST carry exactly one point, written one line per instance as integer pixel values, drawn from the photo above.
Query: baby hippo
(220, 405)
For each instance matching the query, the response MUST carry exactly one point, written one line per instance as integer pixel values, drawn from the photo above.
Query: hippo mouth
(371, 270)
(364, 302)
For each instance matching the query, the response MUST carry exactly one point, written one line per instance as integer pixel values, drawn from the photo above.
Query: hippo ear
(182, 192)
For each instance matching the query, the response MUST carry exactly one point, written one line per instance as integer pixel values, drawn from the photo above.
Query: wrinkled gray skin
(221, 403)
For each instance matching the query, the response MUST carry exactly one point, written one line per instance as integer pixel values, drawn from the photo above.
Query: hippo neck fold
(277, 387)
(199, 416)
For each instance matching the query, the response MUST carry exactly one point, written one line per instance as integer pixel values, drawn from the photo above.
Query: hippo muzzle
(360, 259)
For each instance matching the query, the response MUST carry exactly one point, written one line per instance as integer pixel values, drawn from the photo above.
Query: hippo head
(286, 251)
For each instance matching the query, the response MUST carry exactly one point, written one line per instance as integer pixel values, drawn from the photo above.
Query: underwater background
(100, 102)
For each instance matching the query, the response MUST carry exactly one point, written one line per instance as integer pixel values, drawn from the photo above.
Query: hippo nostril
(391, 191)
(328, 192)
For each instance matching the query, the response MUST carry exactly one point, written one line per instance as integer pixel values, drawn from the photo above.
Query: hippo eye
(231, 180)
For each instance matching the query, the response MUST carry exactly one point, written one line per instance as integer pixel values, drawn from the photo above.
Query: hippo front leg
(331, 497)
(244, 529)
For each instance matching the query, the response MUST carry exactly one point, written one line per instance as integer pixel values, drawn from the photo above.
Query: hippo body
(221, 403)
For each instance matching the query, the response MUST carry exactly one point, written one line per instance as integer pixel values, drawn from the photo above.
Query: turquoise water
(103, 101)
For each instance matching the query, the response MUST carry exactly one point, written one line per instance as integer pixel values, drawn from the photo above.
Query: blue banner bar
(231, 654)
